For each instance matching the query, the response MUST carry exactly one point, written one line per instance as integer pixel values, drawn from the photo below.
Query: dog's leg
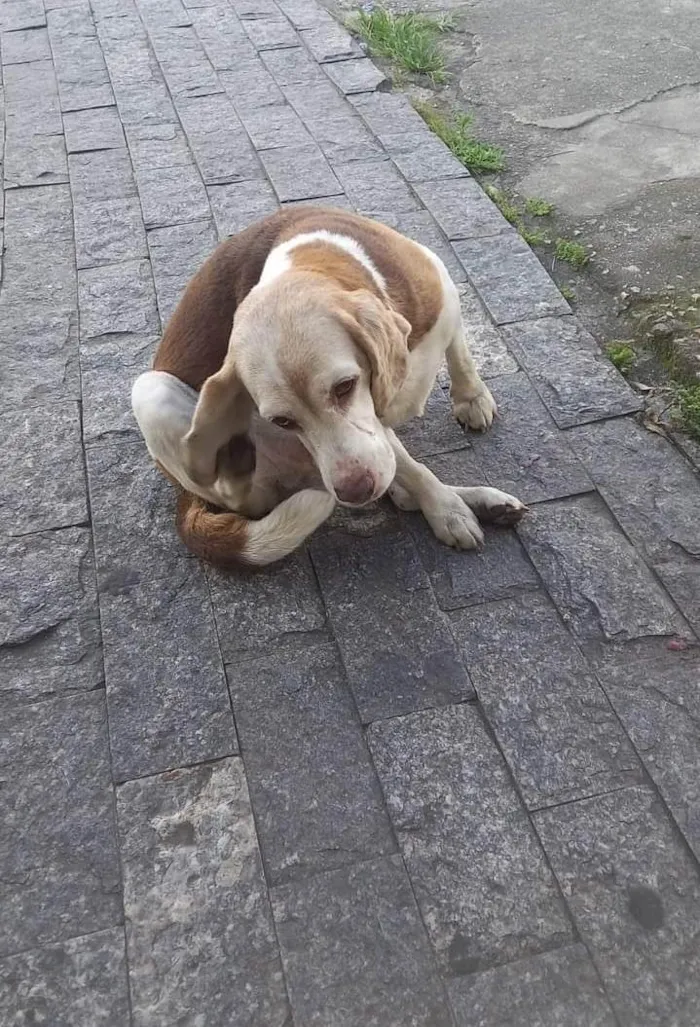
(449, 510)
(472, 403)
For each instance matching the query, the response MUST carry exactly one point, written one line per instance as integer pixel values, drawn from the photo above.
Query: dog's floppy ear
(382, 335)
(222, 415)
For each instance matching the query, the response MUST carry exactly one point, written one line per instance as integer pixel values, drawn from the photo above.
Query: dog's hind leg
(472, 403)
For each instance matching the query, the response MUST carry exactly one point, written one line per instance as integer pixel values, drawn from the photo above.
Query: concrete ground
(381, 784)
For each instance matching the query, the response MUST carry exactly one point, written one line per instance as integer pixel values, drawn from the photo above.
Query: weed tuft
(456, 133)
(538, 208)
(689, 409)
(622, 356)
(409, 40)
(571, 253)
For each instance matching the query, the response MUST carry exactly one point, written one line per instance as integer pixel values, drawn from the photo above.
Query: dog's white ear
(222, 414)
(382, 335)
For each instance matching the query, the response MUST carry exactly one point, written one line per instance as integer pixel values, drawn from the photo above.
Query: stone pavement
(381, 784)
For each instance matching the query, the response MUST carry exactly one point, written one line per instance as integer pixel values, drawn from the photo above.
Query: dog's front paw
(492, 506)
(453, 522)
(477, 412)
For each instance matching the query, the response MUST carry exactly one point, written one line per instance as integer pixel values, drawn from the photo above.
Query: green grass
(622, 356)
(456, 133)
(409, 40)
(533, 237)
(537, 207)
(571, 253)
(567, 292)
(506, 206)
(689, 409)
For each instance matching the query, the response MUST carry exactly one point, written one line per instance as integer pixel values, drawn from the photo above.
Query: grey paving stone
(166, 691)
(658, 703)
(40, 355)
(158, 145)
(39, 262)
(317, 800)
(478, 873)
(164, 13)
(634, 893)
(555, 989)
(78, 983)
(576, 381)
(523, 452)
(510, 279)
(43, 479)
(300, 173)
(462, 209)
(270, 33)
(389, 115)
(141, 93)
(436, 431)
(221, 35)
(355, 76)
(106, 209)
(420, 226)
(93, 129)
(48, 605)
(117, 299)
(35, 152)
(599, 582)
(339, 132)
(293, 66)
(276, 126)
(177, 254)
(396, 645)
(375, 186)
(305, 14)
(83, 80)
(238, 204)
(193, 885)
(655, 496)
(185, 65)
(355, 952)
(133, 516)
(485, 340)
(552, 720)
(171, 196)
(109, 366)
(250, 85)
(422, 157)
(25, 45)
(329, 42)
(218, 140)
(332, 202)
(259, 612)
(21, 14)
(58, 846)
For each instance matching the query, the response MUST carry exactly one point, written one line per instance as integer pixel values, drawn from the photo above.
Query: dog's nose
(356, 490)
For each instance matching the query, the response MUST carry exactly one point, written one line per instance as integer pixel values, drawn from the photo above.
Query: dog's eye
(345, 388)
(285, 422)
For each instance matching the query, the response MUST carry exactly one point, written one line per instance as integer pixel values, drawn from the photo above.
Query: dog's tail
(229, 540)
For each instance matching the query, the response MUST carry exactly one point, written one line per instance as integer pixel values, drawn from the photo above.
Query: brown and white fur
(293, 354)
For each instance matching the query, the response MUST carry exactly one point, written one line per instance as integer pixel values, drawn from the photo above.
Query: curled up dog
(293, 354)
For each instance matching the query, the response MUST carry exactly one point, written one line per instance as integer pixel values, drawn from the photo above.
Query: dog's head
(323, 363)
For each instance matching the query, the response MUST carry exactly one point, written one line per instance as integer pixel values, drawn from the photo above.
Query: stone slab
(576, 381)
(166, 691)
(634, 893)
(555, 989)
(222, 36)
(171, 196)
(654, 494)
(21, 14)
(436, 431)
(355, 76)
(238, 204)
(217, 138)
(329, 42)
(249, 85)
(106, 209)
(486, 343)
(58, 846)
(422, 157)
(478, 873)
(117, 299)
(338, 130)
(355, 952)
(185, 65)
(553, 722)
(40, 355)
(395, 643)
(177, 253)
(270, 33)
(48, 606)
(24, 45)
(420, 226)
(83, 80)
(375, 186)
(462, 209)
(293, 66)
(523, 452)
(389, 115)
(78, 983)
(258, 612)
(599, 582)
(35, 152)
(99, 128)
(43, 479)
(300, 173)
(658, 702)
(199, 928)
(160, 144)
(39, 260)
(274, 127)
(165, 13)
(316, 797)
(509, 278)
(109, 366)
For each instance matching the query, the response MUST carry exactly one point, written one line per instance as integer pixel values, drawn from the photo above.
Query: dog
(295, 351)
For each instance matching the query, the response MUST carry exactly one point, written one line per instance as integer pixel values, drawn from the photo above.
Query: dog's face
(324, 364)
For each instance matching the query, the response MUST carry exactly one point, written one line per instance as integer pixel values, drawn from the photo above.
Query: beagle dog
(293, 354)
